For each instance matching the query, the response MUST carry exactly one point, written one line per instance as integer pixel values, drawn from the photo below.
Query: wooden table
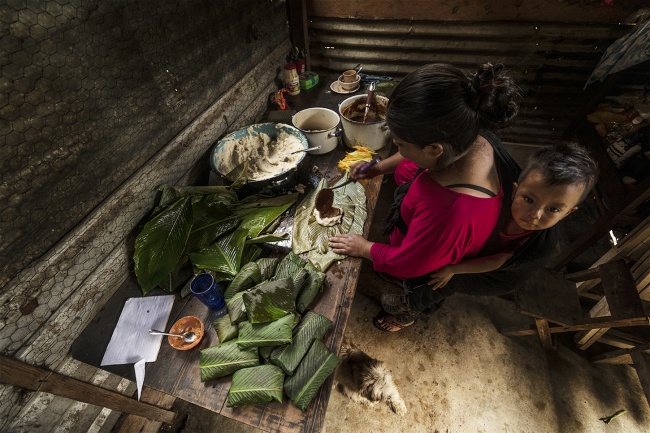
(176, 373)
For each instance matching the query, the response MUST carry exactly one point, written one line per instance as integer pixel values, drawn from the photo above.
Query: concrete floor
(458, 374)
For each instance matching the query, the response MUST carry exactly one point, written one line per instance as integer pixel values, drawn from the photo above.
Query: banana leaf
(265, 352)
(251, 253)
(313, 285)
(276, 333)
(292, 266)
(312, 372)
(313, 326)
(208, 223)
(267, 267)
(225, 329)
(171, 193)
(256, 216)
(270, 301)
(256, 385)
(226, 358)
(268, 238)
(247, 277)
(160, 244)
(309, 236)
(236, 308)
(222, 256)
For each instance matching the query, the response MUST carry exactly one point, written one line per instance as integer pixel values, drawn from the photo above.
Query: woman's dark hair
(563, 164)
(439, 103)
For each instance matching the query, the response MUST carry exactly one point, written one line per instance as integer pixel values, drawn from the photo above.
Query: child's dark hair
(563, 164)
(439, 103)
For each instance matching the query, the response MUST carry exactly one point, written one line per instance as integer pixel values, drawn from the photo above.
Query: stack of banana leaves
(269, 341)
(195, 229)
(312, 238)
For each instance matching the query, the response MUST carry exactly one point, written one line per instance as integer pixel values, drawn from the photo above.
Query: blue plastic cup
(208, 291)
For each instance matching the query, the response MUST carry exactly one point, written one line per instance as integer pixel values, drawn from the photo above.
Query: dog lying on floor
(365, 379)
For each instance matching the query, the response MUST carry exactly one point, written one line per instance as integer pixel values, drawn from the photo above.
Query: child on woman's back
(552, 184)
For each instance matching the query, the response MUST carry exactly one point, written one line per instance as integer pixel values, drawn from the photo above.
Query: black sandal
(390, 323)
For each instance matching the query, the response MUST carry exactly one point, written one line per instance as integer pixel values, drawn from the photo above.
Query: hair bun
(495, 96)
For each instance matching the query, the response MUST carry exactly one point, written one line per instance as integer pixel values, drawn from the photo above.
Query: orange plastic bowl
(186, 324)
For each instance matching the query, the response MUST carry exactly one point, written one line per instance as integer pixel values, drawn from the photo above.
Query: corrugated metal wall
(550, 61)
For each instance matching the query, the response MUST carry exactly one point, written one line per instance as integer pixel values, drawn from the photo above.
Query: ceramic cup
(349, 86)
(349, 76)
(208, 291)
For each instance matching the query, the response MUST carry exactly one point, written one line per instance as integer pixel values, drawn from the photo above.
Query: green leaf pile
(202, 228)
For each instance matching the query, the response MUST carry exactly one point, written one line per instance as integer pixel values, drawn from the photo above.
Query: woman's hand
(351, 245)
(441, 277)
(368, 174)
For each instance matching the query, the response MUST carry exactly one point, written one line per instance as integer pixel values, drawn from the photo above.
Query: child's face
(537, 206)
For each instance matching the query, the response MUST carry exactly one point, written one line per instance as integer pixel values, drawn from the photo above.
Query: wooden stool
(550, 298)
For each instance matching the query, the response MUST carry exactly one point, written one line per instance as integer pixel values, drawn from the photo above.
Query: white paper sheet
(131, 341)
(139, 375)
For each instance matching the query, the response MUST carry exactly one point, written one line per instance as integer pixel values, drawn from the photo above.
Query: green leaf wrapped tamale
(226, 358)
(269, 301)
(311, 373)
(256, 385)
(313, 285)
(236, 308)
(277, 333)
(226, 330)
(247, 277)
(313, 326)
(267, 267)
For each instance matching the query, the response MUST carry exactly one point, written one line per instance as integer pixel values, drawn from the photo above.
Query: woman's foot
(389, 323)
(395, 304)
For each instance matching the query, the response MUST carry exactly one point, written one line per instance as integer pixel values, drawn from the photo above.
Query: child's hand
(440, 278)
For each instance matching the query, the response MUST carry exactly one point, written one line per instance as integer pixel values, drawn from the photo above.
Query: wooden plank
(544, 334)
(587, 274)
(620, 290)
(590, 338)
(532, 330)
(138, 424)
(17, 373)
(504, 10)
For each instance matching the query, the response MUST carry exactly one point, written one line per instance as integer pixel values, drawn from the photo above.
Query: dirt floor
(458, 374)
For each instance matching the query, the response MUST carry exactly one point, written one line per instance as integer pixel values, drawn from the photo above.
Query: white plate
(336, 88)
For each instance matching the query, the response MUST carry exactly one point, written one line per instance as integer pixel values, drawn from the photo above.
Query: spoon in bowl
(187, 337)
(303, 150)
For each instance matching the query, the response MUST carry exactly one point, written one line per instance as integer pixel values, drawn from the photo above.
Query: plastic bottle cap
(289, 66)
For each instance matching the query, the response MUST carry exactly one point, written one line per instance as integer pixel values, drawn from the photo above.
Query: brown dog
(365, 379)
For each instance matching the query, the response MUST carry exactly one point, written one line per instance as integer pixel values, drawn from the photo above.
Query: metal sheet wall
(550, 61)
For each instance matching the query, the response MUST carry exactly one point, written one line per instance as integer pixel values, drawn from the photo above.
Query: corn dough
(267, 157)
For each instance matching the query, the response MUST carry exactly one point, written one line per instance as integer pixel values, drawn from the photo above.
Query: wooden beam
(17, 373)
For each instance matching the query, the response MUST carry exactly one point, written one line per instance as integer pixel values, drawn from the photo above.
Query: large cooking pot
(279, 183)
(320, 126)
(374, 133)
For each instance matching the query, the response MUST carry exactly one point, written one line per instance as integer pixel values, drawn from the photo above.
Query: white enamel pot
(320, 126)
(373, 135)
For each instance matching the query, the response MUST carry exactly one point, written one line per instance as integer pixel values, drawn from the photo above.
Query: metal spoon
(303, 150)
(187, 337)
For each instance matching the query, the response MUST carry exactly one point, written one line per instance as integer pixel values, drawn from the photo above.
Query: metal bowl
(278, 181)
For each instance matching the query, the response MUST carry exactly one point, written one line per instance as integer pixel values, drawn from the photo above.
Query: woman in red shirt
(440, 120)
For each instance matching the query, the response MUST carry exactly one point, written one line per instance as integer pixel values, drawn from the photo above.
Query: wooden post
(17, 373)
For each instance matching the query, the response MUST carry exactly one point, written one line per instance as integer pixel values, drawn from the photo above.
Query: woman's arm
(478, 265)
